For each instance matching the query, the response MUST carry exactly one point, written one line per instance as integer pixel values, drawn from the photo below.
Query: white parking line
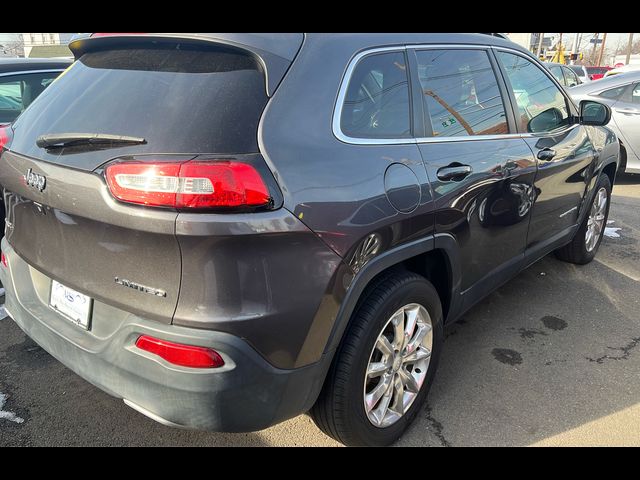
(12, 417)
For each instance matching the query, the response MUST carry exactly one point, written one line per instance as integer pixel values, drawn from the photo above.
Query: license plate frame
(71, 304)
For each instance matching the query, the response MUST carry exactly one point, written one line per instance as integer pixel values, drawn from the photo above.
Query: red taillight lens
(188, 185)
(179, 354)
(3, 259)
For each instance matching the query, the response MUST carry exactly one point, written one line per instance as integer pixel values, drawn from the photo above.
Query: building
(529, 40)
(633, 59)
(46, 45)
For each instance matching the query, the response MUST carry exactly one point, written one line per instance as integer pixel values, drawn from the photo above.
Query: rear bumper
(246, 394)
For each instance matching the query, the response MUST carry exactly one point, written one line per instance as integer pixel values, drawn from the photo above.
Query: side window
(461, 93)
(635, 93)
(10, 99)
(571, 79)
(376, 104)
(18, 91)
(541, 105)
(557, 72)
(614, 93)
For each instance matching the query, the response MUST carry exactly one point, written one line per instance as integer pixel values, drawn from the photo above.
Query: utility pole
(595, 44)
(540, 45)
(573, 46)
(629, 48)
(604, 40)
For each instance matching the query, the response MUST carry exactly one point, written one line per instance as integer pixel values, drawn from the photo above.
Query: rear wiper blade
(58, 140)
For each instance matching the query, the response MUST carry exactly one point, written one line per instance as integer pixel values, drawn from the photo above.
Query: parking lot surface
(551, 358)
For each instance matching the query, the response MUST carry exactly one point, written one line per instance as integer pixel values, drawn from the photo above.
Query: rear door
(183, 100)
(564, 152)
(480, 171)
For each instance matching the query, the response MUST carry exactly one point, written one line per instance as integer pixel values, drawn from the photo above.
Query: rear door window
(614, 93)
(461, 93)
(376, 103)
(180, 98)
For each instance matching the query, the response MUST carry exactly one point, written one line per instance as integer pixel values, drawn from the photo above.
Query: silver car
(622, 94)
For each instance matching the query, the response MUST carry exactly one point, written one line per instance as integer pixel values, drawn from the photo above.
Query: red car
(595, 73)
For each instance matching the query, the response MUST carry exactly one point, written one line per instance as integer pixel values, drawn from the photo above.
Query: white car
(625, 69)
(622, 94)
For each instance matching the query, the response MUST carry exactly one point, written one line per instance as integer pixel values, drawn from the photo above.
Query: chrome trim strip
(468, 138)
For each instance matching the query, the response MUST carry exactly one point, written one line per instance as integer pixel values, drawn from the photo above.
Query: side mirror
(594, 113)
(545, 121)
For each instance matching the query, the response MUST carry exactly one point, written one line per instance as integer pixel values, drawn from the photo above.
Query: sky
(612, 38)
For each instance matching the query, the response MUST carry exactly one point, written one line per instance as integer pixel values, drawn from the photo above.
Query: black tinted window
(376, 104)
(180, 98)
(541, 105)
(18, 91)
(461, 93)
(614, 93)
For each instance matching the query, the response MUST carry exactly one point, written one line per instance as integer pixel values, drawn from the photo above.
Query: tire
(340, 409)
(577, 250)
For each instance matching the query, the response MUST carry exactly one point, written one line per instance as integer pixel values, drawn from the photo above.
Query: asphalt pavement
(551, 358)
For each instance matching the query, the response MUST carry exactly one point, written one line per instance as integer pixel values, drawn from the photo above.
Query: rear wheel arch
(437, 264)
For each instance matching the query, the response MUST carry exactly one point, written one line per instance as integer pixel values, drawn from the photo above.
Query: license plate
(74, 305)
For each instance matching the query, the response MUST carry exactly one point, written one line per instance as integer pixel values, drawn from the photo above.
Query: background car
(596, 73)
(565, 75)
(622, 94)
(623, 69)
(22, 80)
(581, 72)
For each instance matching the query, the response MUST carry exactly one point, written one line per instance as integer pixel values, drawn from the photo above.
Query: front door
(562, 148)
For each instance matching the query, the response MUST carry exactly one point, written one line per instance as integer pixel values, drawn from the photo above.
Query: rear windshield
(597, 70)
(577, 69)
(180, 98)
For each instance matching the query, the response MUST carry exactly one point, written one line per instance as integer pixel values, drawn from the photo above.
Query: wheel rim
(398, 365)
(595, 222)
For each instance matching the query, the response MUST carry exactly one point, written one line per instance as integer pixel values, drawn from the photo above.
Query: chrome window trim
(342, 93)
(25, 72)
(346, 78)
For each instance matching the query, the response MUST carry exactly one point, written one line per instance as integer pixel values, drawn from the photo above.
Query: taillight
(3, 259)
(188, 185)
(5, 136)
(179, 354)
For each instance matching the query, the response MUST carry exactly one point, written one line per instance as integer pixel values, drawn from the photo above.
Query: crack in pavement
(437, 427)
(626, 351)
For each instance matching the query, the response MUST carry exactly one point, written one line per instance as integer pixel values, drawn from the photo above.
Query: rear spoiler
(274, 51)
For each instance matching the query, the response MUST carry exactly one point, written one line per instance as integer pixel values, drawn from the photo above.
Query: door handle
(628, 111)
(454, 172)
(546, 154)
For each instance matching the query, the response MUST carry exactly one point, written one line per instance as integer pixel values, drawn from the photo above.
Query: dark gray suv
(228, 230)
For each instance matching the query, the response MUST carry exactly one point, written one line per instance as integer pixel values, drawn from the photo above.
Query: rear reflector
(187, 185)
(179, 354)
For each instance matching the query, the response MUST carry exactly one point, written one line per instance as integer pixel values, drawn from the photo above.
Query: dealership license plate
(72, 304)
